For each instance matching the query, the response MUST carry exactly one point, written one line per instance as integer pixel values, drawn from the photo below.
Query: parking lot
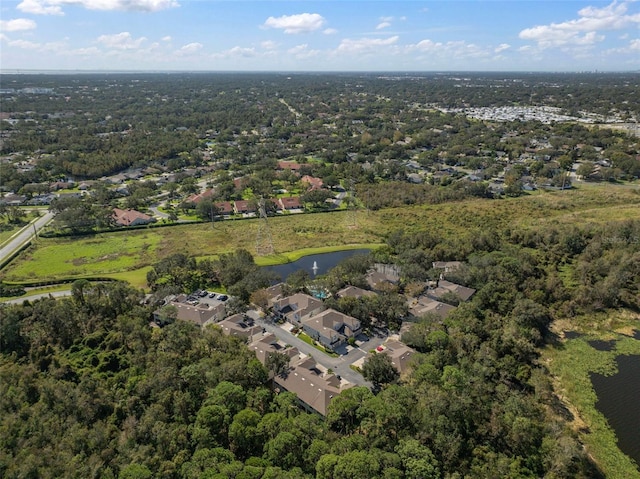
(206, 297)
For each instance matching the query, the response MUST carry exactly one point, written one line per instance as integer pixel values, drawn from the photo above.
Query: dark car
(223, 297)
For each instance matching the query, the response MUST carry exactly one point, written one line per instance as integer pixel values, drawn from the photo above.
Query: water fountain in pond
(315, 267)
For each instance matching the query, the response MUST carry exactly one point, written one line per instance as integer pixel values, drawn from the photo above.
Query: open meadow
(127, 255)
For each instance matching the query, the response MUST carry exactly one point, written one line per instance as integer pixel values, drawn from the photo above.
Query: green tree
(379, 369)
(135, 471)
(277, 363)
(283, 450)
(207, 210)
(243, 433)
(418, 460)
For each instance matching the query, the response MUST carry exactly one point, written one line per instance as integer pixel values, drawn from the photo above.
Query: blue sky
(333, 35)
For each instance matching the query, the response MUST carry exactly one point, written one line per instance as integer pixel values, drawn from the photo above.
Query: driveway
(340, 365)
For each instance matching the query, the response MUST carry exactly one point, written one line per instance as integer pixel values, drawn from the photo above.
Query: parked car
(212, 295)
(223, 297)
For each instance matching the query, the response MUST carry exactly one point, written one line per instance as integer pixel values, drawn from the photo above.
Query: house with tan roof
(312, 182)
(399, 353)
(290, 165)
(354, 292)
(225, 208)
(447, 266)
(269, 343)
(289, 203)
(201, 314)
(274, 293)
(131, 217)
(423, 305)
(331, 328)
(239, 326)
(298, 307)
(445, 287)
(314, 387)
(383, 276)
(197, 198)
(243, 207)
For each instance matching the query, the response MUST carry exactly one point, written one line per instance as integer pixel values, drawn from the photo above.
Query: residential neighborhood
(327, 362)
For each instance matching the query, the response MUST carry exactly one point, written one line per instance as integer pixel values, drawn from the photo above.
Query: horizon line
(19, 71)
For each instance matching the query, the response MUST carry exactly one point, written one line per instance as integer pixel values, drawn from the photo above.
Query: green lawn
(307, 339)
(77, 257)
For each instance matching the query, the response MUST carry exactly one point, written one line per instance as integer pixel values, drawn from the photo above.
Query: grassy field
(128, 255)
(570, 363)
(5, 235)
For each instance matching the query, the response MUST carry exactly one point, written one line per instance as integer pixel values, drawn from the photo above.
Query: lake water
(618, 397)
(323, 262)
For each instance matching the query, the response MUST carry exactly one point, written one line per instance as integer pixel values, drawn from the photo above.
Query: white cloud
(121, 41)
(17, 25)
(302, 52)
(385, 22)
(583, 30)
(236, 52)
(25, 44)
(269, 45)
(167, 38)
(242, 52)
(191, 48)
(329, 31)
(454, 50)
(86, 52)
(54, 7)
(298, 49)
(502, 47)
(55, 47)
(364, 45)
(635, 44)
(301, 23)
(38, 7)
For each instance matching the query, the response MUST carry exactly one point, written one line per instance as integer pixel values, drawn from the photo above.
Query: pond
(315, 264)
(618, 400)
(602, 345)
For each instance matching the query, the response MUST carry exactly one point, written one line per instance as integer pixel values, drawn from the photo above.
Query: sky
(332, 35)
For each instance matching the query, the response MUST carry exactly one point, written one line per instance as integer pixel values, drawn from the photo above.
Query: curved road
(33, 297)
(23, 236)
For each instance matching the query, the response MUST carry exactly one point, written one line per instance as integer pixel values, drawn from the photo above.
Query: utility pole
(264, 241)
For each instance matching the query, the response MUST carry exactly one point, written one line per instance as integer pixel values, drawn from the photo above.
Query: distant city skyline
(384, 35)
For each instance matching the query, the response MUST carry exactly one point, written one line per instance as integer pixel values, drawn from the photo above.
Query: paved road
(21, 238)
(33, 297)
(156, 212)
(340, 365)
